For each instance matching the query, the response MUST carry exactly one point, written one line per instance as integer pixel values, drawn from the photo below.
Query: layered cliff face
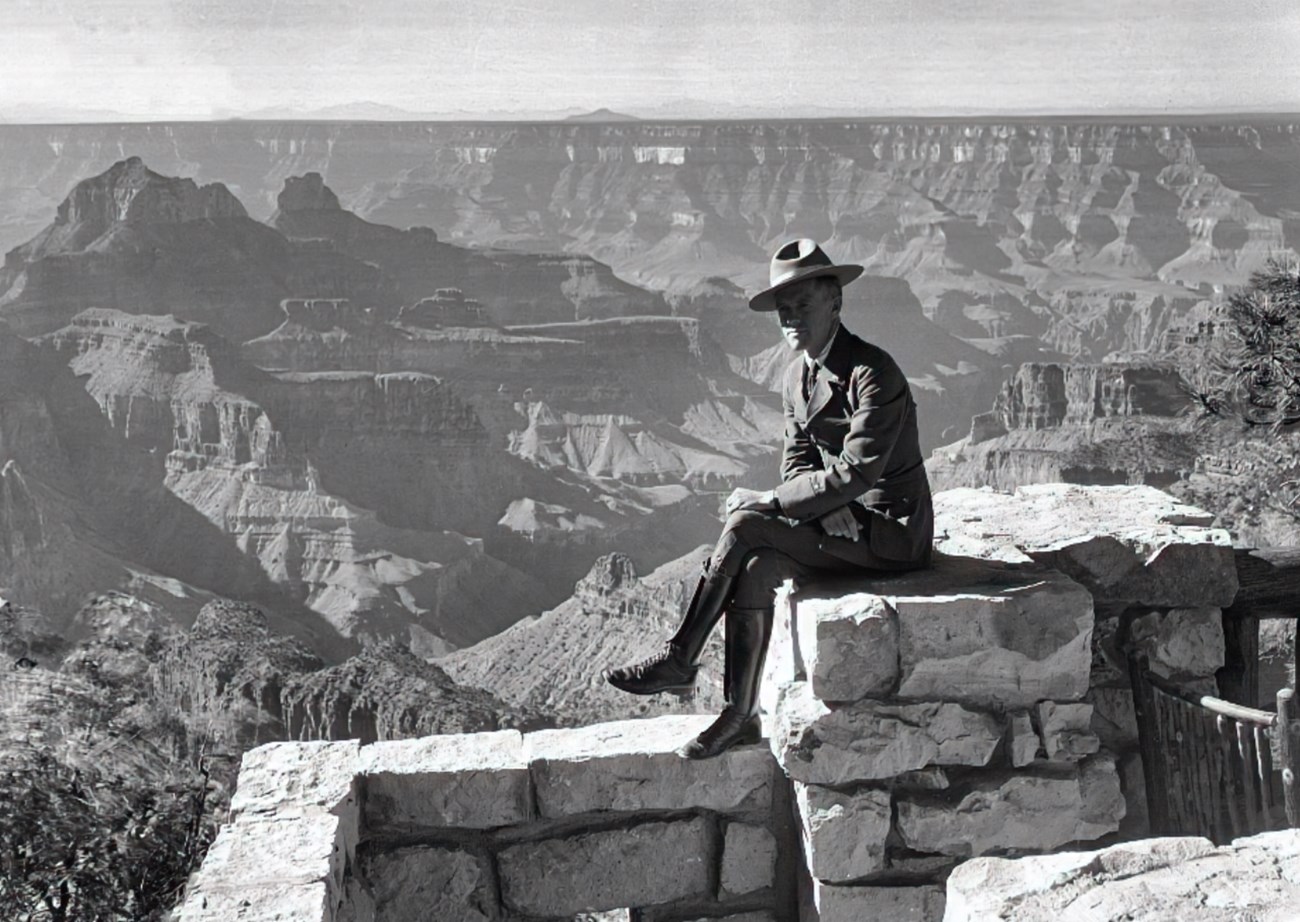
(133, 240)
(552, 663)
(513, 287)
(308, 479)
(233, 673)
(1127, 422)
(1086, 229)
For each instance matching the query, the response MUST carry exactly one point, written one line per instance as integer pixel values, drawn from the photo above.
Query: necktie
(810, 381)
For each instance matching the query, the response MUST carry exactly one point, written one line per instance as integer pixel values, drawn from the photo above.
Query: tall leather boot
(749, 630)
(673, 668)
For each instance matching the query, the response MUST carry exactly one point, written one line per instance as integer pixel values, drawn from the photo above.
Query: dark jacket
(855, 441)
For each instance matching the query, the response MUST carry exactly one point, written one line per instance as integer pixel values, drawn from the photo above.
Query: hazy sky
(199, 58)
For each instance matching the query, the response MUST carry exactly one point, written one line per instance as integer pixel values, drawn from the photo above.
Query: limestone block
(297, 778)
(270, 850)
(986, 634)
(469, 780)
(878, 904)
(1152, 880)
(640, 866)
(1066, 730)
(1181, 642)
(266, 867)
(748, 859)
(259, 903)
(631, 765)
(870, 740)
(430, 884)
(1113, 718)
(844, 834)
(1037, 810)
(1129, 543)
(849, 646)
(1022, 739)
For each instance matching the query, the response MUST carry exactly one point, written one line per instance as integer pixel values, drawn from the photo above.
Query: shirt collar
(826, 350)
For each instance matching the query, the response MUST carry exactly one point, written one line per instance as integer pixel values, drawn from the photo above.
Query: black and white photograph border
(649, 462)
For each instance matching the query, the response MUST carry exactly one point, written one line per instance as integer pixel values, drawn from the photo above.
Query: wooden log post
(1288, 738)
(1147, 718)
(1238, 678)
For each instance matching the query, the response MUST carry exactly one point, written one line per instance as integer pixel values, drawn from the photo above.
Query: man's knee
(761, 574)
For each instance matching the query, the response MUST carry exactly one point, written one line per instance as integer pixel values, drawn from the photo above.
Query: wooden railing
(1209, 763)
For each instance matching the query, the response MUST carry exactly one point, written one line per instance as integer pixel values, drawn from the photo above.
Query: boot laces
(663, 657)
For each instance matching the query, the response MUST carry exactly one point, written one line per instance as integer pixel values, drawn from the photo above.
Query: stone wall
(915, 721)
(548, 825)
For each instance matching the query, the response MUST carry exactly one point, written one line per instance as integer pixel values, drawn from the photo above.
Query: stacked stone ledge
(1153, 565)
(976, 708)
(918, 721)
(505, 826)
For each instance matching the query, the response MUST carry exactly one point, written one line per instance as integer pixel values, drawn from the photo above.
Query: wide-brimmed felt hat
(797, 261)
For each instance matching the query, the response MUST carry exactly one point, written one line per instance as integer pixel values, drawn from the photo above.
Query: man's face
(807, 313)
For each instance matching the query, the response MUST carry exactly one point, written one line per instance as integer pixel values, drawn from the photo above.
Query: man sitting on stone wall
(854, 496)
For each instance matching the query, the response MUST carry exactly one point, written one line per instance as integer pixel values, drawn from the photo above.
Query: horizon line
(625, 119)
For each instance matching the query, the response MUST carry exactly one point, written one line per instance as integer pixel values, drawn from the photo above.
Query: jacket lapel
(833, 370)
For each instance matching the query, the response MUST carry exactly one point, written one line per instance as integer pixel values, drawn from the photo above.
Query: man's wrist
(773, 501)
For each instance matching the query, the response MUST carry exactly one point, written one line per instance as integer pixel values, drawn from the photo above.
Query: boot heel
(684, 695)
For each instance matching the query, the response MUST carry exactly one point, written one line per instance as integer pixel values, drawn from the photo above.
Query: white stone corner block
(297, 778)
(632, 765)
(260, 903)
(470, 780)
(872, 740)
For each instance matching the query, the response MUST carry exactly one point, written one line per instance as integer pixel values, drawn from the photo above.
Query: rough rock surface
(989, 634)
(844, 834)
(748, 859)
(632, 765)
(475, 781)
(1066, 730)
(969, 630)
(433, 884)
(552, 663)
(1153, 880)
(1022, 740)
(879, 904)
(1035, 811)
(297, 778)
(874, 740)
(849, 645)
(642, 865)
(1166, 553)
(1181, 643)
